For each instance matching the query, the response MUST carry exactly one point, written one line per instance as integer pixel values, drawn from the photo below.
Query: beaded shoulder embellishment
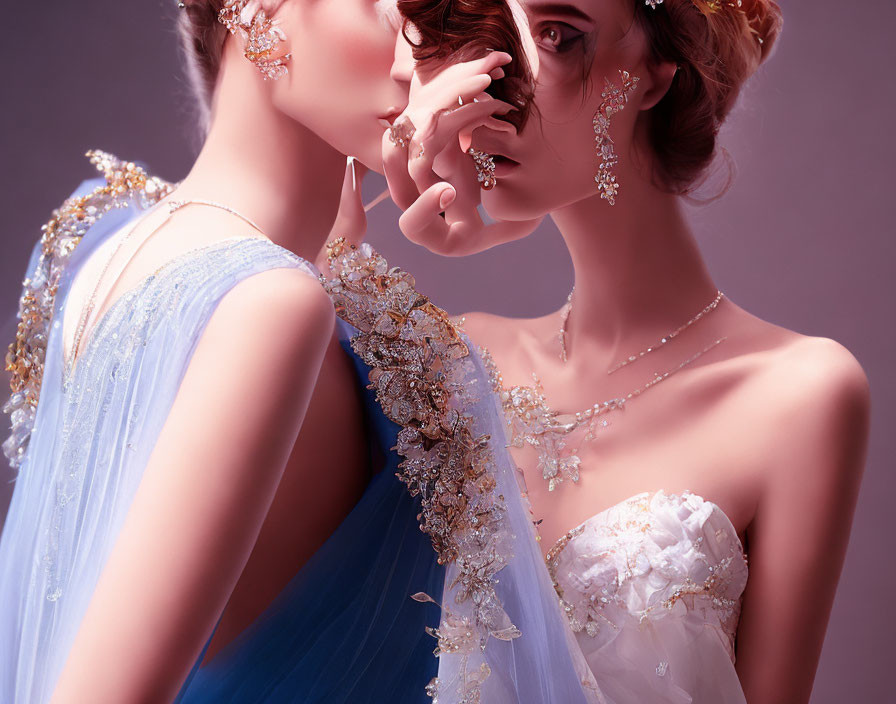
(420, 369)
(25, 359)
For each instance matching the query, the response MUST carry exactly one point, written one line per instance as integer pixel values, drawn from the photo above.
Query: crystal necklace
(173, 207)
(564, 317)
(531, 421)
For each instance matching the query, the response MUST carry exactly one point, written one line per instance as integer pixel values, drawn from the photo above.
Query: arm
(798, 539)
(204, 494)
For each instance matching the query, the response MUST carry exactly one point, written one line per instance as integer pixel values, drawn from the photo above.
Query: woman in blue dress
(171, 340)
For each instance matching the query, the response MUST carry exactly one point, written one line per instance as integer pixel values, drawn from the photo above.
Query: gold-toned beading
(261, 33)
(421, 369)
(125, 181)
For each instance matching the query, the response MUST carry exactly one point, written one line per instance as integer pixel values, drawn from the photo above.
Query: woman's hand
(351, 219)
(433, 173)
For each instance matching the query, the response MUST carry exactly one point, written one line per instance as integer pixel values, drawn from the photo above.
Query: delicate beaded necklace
(173, 207)
(564, 318)
(532, 421)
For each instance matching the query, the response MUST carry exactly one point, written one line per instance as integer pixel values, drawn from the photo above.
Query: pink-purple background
(804, 238)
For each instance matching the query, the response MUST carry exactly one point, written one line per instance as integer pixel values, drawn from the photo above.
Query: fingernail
(447, 197)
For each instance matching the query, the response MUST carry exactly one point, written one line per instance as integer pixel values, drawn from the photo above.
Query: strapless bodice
(652, 556)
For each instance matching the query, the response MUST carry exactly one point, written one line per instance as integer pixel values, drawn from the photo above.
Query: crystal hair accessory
(707, 5)
(263, 36)
(485, 168)
(614, 100)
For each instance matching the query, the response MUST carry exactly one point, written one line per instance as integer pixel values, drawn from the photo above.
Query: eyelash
(565, 44)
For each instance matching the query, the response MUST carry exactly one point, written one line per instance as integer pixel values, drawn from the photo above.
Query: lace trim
(25, 358)
(421, 371)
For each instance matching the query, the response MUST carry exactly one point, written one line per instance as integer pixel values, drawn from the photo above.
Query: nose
(403, 62)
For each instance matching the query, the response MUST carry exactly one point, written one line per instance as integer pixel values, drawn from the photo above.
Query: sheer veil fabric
(501, 634)
(93, 431)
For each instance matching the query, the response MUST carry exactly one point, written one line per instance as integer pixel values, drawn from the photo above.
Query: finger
(483, 64)
(351, 220)
(422, 223)
(465, 88)
(449, 122)
(447, 126)
(465, 134)
(436, 74)
(395, 167)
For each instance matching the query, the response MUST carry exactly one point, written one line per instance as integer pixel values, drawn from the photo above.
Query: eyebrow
(560, 9)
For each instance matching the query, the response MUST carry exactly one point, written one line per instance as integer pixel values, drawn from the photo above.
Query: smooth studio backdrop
(803, 239)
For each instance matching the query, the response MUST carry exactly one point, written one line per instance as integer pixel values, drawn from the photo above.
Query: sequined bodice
(653, 556)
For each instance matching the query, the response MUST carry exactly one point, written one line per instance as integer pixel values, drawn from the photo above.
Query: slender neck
(638, 272)
(266, 165)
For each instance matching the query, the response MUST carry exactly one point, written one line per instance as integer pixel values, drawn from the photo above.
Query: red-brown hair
(716, 51)
(460, 30)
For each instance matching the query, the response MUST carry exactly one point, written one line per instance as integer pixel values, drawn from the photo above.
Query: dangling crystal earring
(261, 33)
(614, 99)
(485, 168)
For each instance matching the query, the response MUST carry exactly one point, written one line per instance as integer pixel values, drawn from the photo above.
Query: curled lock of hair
(461, 30)
(717, 51)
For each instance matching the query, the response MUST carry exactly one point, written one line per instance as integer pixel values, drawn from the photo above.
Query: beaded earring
(614, 99)
(262, 35)
(485, 168)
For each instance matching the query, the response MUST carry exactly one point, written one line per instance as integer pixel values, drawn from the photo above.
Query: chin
(504, 202)
(372, 159)
(369, 151)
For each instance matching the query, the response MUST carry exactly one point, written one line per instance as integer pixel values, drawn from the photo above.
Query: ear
(660, 77)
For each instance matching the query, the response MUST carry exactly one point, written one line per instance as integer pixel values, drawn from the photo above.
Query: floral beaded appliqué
(645, 556)
(531, 421)
(25, 360)
(422, 373)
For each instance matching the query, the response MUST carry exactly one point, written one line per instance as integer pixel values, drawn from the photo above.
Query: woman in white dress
(660, 432)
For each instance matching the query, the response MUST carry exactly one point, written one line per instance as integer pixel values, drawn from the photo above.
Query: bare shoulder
(818, 373)
(286, 299)
(488, 330)
(818, 400)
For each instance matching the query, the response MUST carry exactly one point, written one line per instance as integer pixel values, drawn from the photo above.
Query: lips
(504, 165)
(386, 119)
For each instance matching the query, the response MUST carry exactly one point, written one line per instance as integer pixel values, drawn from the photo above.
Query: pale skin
(223, 518)
(771, 425)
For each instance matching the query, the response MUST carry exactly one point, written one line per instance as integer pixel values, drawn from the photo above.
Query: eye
(557, 37)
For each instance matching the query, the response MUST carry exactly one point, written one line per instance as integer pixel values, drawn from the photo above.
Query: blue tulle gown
(344, 630)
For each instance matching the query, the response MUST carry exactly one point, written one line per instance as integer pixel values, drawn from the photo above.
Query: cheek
(342, 56)
(360, 51)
